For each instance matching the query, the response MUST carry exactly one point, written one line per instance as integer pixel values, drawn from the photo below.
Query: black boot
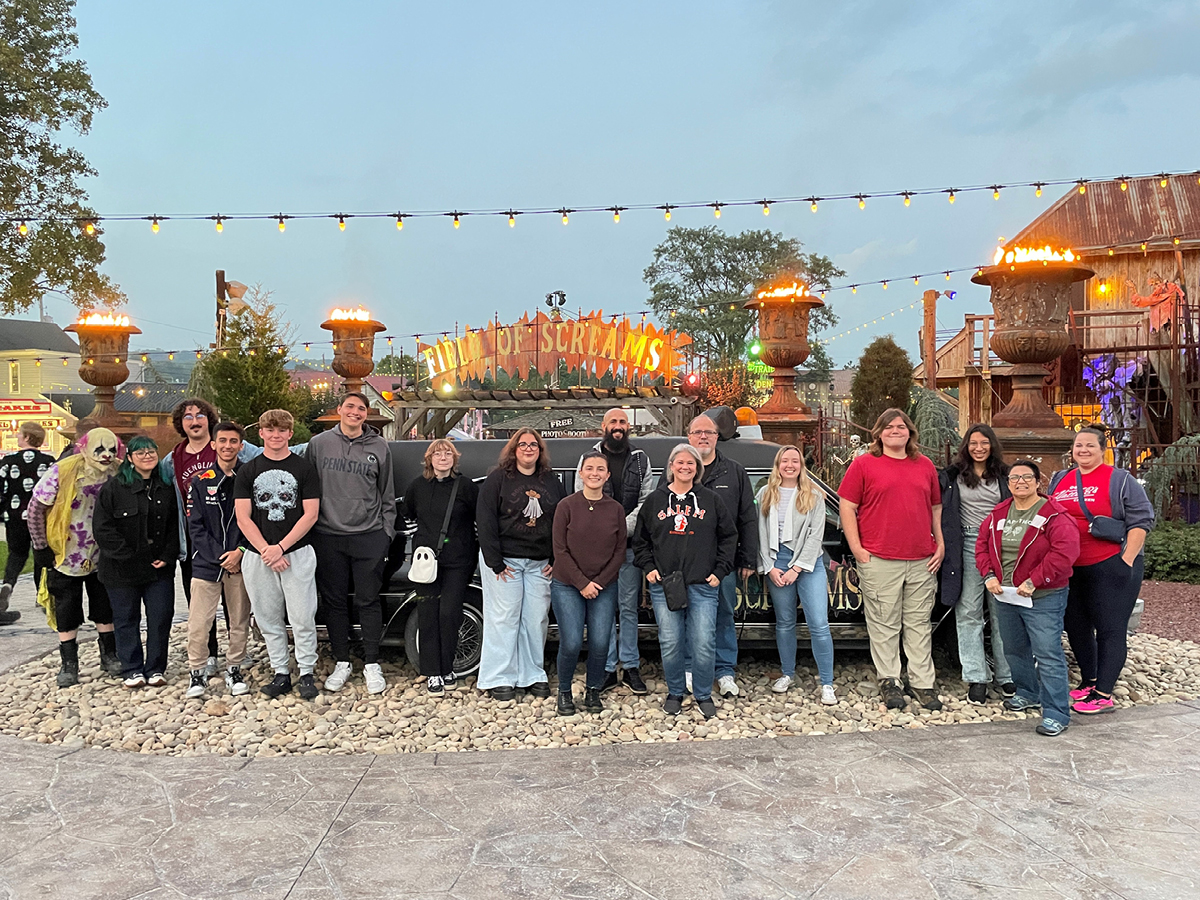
(592, 702)
(109, 661)
(566, 703)
(68, 674)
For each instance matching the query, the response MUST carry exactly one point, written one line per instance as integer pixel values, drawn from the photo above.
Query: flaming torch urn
(353, 344)
(1031, 298)
(103, 363)
(783, 308)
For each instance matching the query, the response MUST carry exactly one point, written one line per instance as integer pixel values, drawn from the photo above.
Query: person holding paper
(1025, 552)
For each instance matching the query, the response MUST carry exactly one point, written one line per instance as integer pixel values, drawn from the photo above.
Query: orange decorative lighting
(1045, 254)
(795, 289)
(350, 315)
(104, 319)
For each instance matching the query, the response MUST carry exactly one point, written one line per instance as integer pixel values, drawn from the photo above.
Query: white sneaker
(339, 676)
(782, 683)
(687, 677)
(727, 687)
(374, 676)
(828, 697)
(210, 667)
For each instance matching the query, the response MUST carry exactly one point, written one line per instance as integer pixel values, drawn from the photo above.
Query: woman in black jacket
(440, 603)
(971, 488)
(686, 533)
(137, 532)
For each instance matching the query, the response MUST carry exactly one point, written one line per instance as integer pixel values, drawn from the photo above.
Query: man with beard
(60, 527)
(629, 483)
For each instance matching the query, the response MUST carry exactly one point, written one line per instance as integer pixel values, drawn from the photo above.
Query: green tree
(884, 380)
(701, 278)
(44, 93)
(399, 364)
(936, 421)
(251, 376)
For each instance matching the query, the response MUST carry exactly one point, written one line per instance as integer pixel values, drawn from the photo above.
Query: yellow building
(39, 382)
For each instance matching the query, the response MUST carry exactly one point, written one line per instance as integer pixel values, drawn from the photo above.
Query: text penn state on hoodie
(357, 495)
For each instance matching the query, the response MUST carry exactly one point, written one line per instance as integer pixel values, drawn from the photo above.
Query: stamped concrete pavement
(1108, 810)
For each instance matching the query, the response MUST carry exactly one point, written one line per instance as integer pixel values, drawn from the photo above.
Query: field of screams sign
(591, 343)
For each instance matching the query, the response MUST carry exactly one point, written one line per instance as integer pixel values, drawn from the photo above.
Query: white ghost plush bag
(424, 566)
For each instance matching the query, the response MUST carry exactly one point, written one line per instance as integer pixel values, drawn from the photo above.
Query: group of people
(1034, 563)
(289, 534)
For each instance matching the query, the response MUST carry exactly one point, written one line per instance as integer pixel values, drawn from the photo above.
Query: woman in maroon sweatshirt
(589, 549)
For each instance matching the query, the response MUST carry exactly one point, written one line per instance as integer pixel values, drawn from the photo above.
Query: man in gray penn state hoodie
(352, 534)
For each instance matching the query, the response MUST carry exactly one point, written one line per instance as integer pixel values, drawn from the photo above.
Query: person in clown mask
(60, 526)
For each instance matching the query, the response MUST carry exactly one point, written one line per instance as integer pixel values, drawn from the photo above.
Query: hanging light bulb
(1037, 189)
(854, 288)
(666, 208)
(1082, 182)
(341, 223)
(90, 227)
(197, 354)
(1176, 242)
(812, 203)
(907, 195)
(456, 222)
(996, 191)
(282, 225)
(1111, 251)
(1103, 287)
(171, 355)
(154, 224)
(23, 228)
(947, 276)
(885, 285)
(952, 195)
(1143, 246)
(766, 208)
(916, 279)
(220, 224)
(512, 219)
(716, 210)
(1124, 183)
(564, 213)
(1162, 182)
(64, 359)
(862, 201)
(616, 211)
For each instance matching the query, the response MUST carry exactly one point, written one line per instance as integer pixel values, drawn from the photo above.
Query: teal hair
(127, 473)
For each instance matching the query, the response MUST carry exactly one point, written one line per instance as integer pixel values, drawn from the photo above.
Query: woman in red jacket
(1025, 553)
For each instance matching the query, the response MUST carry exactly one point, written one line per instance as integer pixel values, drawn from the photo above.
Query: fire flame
(795, 289)
(106, 319)
(1032, 254)
(350, 315)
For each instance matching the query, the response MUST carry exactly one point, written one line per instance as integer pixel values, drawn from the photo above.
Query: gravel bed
(99, 712)
(1172, 610)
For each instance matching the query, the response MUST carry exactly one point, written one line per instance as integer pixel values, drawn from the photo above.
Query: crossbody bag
(1102, 528)
(424, 568)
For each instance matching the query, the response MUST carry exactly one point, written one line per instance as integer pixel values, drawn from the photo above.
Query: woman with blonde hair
(791, 528)
(450, 531)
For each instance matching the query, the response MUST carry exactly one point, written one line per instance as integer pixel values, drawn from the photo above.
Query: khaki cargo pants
(898, 597)
(202, 612)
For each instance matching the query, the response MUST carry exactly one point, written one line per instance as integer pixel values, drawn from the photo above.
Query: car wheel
(470, 638)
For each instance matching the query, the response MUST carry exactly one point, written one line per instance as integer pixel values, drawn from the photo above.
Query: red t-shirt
(189, 464)
(1096, 495)
(895, 500)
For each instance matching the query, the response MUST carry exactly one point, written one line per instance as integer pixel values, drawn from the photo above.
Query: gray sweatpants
(292, 592)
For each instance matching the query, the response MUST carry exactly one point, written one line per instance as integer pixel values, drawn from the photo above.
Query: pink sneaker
(1081, 692)
(1093, 705)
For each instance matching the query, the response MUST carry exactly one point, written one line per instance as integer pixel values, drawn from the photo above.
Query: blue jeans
(968, 620)
(570, 611)
(727, 646)
(629, 597)
(516, 616)
(812, 591)
(159, 599)
(690, 631)
(1033, 644)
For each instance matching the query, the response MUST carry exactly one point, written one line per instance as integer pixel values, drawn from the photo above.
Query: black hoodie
(695, 534)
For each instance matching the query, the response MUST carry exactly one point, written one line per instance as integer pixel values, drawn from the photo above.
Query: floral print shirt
(81, 551)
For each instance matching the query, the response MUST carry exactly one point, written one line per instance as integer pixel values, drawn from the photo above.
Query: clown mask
(100, 452)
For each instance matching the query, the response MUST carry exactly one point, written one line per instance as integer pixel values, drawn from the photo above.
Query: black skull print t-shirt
(277, 489)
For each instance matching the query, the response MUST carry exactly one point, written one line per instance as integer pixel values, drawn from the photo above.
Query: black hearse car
(756, 623)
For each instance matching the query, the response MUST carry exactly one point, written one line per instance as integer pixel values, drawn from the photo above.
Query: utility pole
(222, 306)
(929, 339)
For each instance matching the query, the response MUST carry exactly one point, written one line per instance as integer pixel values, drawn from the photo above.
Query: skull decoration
(275, 491)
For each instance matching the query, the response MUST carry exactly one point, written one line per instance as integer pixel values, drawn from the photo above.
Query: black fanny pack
(675, 590)
(1102, 528)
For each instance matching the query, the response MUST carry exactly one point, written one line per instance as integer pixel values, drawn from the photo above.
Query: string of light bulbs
(89, 223)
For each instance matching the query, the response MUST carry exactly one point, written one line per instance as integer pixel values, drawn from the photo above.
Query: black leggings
(439, 616)
(1099, 603)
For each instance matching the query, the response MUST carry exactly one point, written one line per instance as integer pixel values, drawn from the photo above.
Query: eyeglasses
(526, 445)
(441, 453)
(703, 432)
(145, 451)
(195, 417)
(1019, 478)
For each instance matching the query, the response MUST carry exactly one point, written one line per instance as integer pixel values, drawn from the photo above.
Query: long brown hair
(885, 419)
(508, 456)
(439, 444)
(994, 469)
(806, 490)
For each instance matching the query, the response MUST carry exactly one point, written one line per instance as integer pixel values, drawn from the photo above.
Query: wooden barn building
(1133, 360)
